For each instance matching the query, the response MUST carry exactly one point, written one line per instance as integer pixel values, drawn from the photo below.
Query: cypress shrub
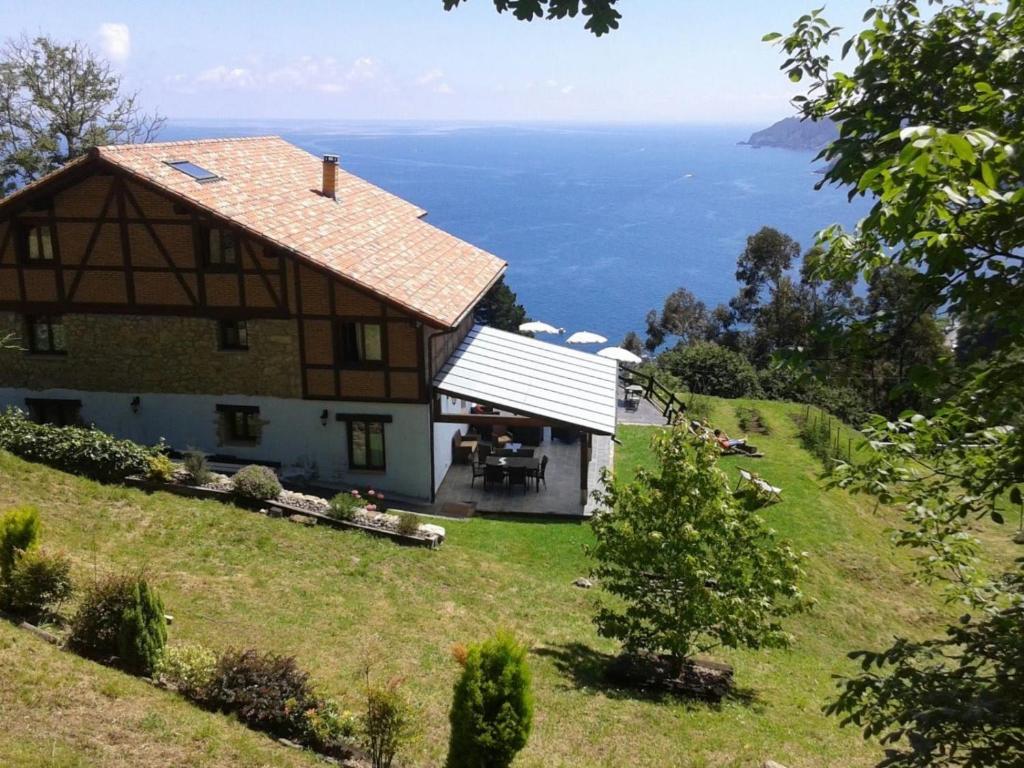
(492, 709)
(19, 531)
(121, 616)
(143, 631)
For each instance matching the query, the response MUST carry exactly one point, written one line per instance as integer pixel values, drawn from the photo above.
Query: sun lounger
(761, 487)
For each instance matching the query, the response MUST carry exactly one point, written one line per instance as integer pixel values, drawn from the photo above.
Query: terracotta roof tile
(367, 235)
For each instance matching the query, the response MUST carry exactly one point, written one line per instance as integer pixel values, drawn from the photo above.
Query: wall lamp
(136, 404)
(323, 417)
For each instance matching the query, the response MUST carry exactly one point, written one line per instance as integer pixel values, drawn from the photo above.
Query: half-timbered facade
(240, 296)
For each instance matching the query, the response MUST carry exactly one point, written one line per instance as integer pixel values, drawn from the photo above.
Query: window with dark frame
(366, 444)
(241, 422)
(220, 248)
(36, 243)
(234, 334)
(46, 335)
(360, 344)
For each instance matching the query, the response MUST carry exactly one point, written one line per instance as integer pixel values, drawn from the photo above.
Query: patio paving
(646, 413)
(559, 497)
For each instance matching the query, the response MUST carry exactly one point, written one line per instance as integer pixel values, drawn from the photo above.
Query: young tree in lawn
(929, 107)
(691, 570)
(56, 102)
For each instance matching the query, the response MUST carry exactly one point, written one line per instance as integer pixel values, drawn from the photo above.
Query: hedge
(79, 450)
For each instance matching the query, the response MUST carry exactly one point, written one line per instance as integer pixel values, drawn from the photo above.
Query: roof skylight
(191, 169)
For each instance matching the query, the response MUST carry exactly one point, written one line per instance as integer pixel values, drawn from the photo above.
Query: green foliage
(492, 708)
(188, 667)
(142, 633)
(345, 505)
(709, 369)
(408, 524)
(195, 464)
(121, 616)
(326, 727)
(77, 450)
(941, 167)
(822, 435)
(499, 308)
(161, 468)
(38, 584)
(60, 101)
(257, 483)
(387, 723)
(690, 569)
(19, 531)
(600, 14)
(265, 691)
(785, 382)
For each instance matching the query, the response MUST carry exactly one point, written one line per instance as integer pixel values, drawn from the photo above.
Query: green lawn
(336, 599)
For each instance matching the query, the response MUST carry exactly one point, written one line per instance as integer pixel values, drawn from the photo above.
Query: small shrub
(327, 728)
(345, 505)
(698, 407)
(19, 532)
(256, 482)
(39, 582)
(77, 450)
(161, 468)
(121, 616)
(189, 668)
(408, 524)
(492, 709)
(195, 464)
(386, 724)
(266, 691)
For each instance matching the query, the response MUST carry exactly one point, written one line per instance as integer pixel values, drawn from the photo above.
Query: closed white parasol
(586, 337)
(620, 354)
(536, 326)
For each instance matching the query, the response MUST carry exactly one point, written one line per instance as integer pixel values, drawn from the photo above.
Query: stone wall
(148, 353)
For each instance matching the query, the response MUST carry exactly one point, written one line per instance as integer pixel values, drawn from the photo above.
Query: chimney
(330, 176)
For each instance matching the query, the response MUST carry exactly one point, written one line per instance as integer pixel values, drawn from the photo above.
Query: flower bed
(367, 518)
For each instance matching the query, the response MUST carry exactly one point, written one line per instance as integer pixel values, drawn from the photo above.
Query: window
(366, 444)
(240, 423)
(360, 344)
(220, 248)
(60, 413)
(37, 243)
(234, 334)
(46, 335)
(191, 169)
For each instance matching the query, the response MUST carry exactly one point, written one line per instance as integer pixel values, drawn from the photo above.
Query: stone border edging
(197, 492)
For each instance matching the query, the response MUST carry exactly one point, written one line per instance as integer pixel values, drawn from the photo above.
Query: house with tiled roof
(246, 298)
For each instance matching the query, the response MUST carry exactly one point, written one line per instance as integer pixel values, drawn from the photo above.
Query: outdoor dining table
(513, 462)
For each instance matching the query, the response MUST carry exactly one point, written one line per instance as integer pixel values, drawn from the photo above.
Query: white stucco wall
(443, 437)
(292, 433)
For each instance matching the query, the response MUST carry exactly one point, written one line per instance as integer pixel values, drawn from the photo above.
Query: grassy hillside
(336, 599)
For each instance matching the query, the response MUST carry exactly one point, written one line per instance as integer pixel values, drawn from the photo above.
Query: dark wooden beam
(126, 248)
(90, 246)
(159, 245)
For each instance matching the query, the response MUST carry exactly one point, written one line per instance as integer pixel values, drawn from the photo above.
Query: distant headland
(794, 133)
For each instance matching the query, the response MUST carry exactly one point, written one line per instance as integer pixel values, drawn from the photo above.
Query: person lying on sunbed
(733, 446)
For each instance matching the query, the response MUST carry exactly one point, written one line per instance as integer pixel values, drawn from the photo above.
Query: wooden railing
(656, 393)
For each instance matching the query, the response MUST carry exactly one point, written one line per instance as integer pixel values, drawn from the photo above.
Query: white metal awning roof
(532, 378)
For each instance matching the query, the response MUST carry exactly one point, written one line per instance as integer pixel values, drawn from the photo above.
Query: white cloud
(115, 41)
(434, 80)
(567, 89)
(222, 76)
(322, 74)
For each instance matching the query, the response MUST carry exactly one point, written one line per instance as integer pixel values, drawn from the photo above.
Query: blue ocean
(597, 222)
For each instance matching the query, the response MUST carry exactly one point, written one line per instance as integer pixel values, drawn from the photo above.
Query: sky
(696, 61)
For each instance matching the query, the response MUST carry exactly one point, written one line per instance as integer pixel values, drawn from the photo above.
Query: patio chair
(517, 476)
(761, 488)
(526, 453)
(483, 450)
(478, 471)
(493, 475)
(538, 474)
